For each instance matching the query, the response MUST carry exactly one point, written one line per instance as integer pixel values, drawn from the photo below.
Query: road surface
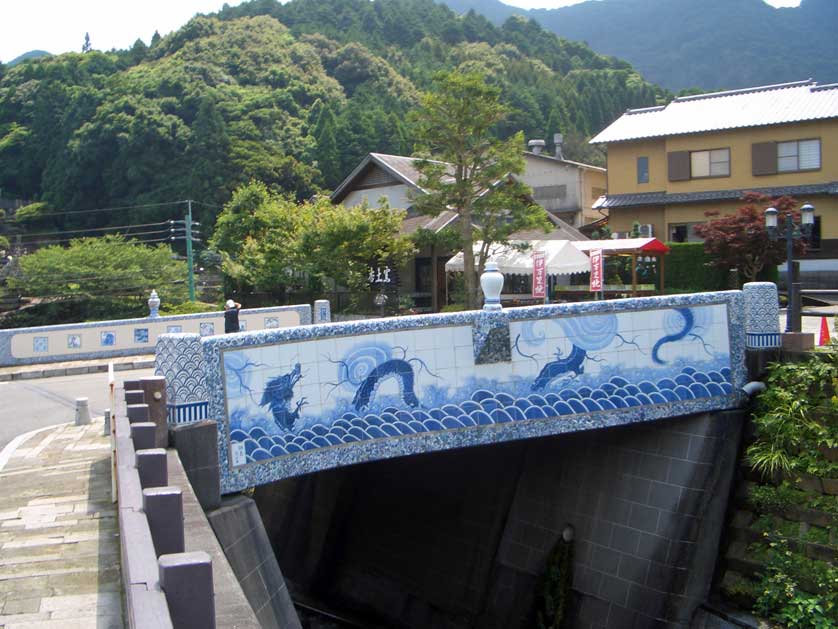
(31, 404)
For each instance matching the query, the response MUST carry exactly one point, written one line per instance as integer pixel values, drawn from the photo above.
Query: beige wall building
(669, 165)
(566, 190)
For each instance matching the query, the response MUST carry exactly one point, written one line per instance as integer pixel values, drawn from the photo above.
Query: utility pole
(189, 261)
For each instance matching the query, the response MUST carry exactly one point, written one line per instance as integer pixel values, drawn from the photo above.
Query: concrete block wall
(647, 504)
(242, 536)
(461, 539)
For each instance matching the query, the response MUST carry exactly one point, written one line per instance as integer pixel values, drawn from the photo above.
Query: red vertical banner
(596, 270)
(539, 275)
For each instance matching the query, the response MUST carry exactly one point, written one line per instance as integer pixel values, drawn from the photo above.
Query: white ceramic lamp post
(492, 284)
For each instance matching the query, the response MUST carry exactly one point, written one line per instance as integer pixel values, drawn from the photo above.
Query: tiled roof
(402, 168)
(435, 224)
(752, 107)
(609, 201)
(561, 231)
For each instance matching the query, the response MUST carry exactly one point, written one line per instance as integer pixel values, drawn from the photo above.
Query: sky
(59, 25)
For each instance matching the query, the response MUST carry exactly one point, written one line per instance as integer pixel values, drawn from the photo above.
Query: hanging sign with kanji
(596, 270)
(539, 275)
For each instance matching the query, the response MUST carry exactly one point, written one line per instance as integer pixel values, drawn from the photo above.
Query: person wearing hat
(231, 316)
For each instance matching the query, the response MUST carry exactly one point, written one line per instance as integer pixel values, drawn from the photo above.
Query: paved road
(30, 404)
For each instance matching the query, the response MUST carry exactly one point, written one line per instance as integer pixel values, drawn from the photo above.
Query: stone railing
(126, 337)
(164, 585)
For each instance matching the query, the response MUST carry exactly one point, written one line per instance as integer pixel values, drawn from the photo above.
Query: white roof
(751, 107)
(560, 255)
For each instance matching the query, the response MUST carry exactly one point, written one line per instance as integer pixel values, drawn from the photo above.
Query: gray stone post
(152, 468)
(186, 579)
(131, 385)
(142, 434)
(163, 507)
(154, 388)
(137, 412)
(134, 397)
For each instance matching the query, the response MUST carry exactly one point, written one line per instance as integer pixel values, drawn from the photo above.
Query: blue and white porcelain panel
(303, 399)
(762, 315)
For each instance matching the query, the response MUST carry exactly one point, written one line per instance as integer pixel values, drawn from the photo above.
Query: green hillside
(293, 95)
(709, 44)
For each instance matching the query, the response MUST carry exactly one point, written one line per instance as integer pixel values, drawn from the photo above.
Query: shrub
(689, 268)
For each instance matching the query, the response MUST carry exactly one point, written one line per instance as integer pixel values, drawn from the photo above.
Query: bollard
(82, 412)
(142, 434)
(135, 397)
(137, 412)
(186, 580)
(163, 507)
(152, 468)
(106, 425)
(154, 388)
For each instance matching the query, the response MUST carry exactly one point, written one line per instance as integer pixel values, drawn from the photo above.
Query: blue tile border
(6, 358)
(315, 460)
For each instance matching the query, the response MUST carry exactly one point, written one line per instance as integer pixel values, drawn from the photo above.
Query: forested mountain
(710, 44)
(32, 54)
(293, 95)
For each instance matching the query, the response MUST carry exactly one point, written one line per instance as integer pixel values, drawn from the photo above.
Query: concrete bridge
(618, 421)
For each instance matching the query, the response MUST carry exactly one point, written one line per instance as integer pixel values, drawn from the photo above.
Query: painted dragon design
(277, 396)
(689, 322)
(393, 368)
(574, 363)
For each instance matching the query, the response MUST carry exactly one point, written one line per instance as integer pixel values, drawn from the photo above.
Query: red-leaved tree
(741, 240)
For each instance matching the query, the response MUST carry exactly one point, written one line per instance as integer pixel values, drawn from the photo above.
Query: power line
(65, 240)
(96, 229)
(110, 209)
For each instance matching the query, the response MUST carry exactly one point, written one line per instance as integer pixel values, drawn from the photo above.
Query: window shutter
(679, 165)
(764, 158)
(809, 154)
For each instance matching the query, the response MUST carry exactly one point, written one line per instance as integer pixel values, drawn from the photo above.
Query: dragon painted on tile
(277, 396)
(682, 323)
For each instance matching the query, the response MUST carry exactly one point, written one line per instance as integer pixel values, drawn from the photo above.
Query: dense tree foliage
(474, 171)
(293, 95)
(101, 267)
(270, 243)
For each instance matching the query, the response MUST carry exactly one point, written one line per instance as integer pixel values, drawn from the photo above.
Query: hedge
(688, 268)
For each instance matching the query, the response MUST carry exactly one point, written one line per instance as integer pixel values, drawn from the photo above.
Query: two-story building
(396, 178)
(669, 165)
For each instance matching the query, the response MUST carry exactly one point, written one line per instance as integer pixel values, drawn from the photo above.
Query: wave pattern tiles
(300, 396)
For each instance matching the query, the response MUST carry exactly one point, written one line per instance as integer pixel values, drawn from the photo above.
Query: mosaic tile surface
(301, 399)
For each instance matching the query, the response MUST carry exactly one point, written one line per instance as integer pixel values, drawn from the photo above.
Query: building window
(683, 232)
(798, 155)
(643, 170)
(714, 163)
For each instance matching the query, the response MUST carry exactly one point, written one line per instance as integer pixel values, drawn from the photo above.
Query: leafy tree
(86, 46)
(98, 267)
(269, 242)
(475, 171)
(741, 240)
(339, 244)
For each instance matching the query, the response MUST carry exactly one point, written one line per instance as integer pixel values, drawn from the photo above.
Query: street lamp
(789, 231)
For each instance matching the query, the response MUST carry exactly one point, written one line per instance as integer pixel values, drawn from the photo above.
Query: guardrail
(164, 585)
(127, 337)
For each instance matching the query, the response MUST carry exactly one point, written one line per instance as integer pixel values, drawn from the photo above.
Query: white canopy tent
(561, 258)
